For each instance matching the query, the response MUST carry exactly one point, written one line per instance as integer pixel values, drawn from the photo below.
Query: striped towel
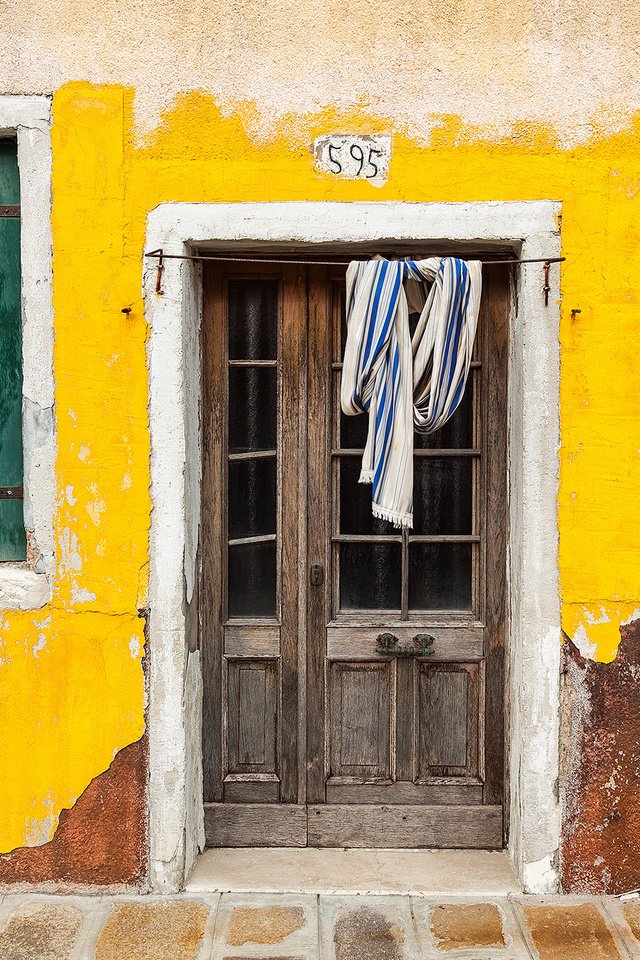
(402, 382)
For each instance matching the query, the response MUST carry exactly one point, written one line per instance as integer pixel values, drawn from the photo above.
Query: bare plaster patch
(413, 64)
(38, 647)
(39, 831)
(70, 558)
(81, 594)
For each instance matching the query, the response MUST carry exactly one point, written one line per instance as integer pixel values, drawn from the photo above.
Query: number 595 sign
(354, 158)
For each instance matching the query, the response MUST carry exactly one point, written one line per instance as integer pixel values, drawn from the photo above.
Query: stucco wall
(572, 66)
(483, 101)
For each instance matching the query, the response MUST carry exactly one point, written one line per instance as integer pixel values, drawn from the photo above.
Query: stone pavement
(245, 926)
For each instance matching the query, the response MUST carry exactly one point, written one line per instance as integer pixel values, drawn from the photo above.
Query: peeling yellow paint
(70, 695)
(71, 679)
(595, 628)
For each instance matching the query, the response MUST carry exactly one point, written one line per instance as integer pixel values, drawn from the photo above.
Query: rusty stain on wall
(101, 840)
(601, 735)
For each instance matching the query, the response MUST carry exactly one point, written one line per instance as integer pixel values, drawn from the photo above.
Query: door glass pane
(370, 576)
(252, 580)
(442, 495)
(252, 409)
(253, 319)
(457, 433)
(353, 430)
(355, 502)
(439, 576)
(252, 497)
(253, 313)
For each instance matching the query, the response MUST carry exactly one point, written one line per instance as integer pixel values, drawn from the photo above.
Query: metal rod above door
(161, 256)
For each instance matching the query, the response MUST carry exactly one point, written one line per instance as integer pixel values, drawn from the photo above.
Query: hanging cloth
(403, 382)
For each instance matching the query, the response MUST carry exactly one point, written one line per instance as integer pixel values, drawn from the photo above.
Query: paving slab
(246, 926)
(367, 928)
(41, 930)
(258, 926)
(624, 920)
(631, 913)
(570, 931)
(469, 928)
(158, 930)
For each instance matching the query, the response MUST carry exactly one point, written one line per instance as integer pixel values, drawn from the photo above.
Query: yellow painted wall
(71, 676)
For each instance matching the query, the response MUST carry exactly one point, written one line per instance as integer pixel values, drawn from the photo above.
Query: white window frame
(25, 586)
(533, 643)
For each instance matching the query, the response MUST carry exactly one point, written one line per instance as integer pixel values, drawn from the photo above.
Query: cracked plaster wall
(483, 102)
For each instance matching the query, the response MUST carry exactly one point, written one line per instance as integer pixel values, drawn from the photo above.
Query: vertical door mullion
(318, 530)
(292, 318)
(213, 548)
(496, 530)
(404, 613)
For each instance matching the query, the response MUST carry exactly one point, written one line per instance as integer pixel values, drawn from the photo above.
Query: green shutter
(12, 535)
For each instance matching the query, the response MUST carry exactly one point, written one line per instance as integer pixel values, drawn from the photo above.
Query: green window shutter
(12, 535)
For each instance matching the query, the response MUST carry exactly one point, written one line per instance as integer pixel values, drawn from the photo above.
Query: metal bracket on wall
(160, 255)
(547, 286)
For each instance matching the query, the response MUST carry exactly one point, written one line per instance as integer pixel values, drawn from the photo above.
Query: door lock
(316, 574)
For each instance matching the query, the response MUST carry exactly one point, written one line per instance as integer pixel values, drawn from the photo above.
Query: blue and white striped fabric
(402, 382)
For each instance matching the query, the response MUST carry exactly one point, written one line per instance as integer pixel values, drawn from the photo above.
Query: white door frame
(533, 639)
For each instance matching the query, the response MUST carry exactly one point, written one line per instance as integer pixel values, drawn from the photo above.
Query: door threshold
(348, 871)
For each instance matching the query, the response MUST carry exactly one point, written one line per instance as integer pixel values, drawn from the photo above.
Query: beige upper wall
(571, 63)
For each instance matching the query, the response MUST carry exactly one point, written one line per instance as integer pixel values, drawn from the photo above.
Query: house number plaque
(354, 158)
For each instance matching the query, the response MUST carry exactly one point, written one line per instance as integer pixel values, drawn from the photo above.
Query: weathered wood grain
(333, 825)
(255, 825)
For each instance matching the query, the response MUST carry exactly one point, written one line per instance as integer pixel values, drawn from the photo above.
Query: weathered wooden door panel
(361, 704)
(250, 583)
(370, 825)
(448, 720)
(252, 705)
(315, 731)
(255, 825)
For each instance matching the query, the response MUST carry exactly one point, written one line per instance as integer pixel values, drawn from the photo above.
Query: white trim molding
(533, 656)
(25, 586)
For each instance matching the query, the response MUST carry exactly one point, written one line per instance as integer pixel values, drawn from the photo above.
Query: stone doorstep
(283, 927)
(329, 871)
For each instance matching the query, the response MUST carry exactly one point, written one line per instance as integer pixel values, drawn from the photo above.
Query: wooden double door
(318, 731)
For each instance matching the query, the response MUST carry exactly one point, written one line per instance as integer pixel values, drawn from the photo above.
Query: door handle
(387, 644)
(316, 574)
